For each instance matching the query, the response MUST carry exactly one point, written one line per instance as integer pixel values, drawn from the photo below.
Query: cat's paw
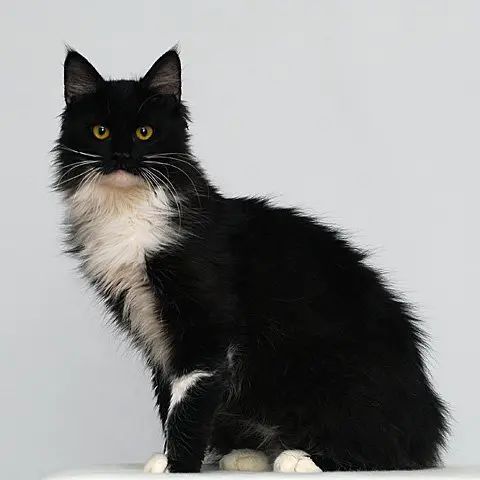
(245, 460)
(295, 461)
(158, 463)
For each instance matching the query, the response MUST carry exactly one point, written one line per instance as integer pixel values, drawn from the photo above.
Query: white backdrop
(377, 101)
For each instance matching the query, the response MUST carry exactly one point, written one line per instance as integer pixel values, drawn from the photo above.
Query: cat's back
(291, 270)
(287, 237)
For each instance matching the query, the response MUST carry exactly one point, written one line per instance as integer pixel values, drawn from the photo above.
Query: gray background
(377, 101)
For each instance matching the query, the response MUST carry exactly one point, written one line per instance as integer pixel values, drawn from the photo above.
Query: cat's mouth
(120, 179)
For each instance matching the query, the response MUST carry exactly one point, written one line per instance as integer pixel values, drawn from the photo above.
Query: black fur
(306, 346)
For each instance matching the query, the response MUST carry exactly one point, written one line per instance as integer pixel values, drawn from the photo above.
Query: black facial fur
(123, 106)
(289, 339)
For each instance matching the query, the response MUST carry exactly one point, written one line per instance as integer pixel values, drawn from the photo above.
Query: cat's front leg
(158, 463)
(162, 389)
(194, 399)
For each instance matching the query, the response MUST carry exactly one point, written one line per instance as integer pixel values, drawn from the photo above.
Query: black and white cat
(269, 338)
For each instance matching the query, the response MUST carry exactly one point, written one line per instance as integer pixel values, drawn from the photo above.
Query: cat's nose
(121, 159)
(120, 155)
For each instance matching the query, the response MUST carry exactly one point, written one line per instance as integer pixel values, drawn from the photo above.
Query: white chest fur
(116, 229)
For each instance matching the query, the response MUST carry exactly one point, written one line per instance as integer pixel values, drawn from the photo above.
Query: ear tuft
(165, 75)
(80, 77)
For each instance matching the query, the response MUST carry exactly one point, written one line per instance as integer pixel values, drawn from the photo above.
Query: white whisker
(71, 167)
(174, 159)
(79, 152)
(73, 178)
(90, 177)
(173, 156)
(151, 155)
(181, 170)
(171, 190)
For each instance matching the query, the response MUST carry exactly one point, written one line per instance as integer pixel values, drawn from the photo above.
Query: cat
(271, 342)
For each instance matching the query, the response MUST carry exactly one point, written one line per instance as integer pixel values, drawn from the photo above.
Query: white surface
(134, 472)
(366, 112)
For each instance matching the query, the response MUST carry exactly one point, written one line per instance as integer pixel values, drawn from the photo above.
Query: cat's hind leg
(245, 460)
(290, 461)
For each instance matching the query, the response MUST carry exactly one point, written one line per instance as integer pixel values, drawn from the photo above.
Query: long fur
(264, 329)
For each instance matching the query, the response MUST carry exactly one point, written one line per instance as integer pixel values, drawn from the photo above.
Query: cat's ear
(80, 77)
(165, 75)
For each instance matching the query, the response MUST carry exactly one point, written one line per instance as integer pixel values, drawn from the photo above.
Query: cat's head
(124, 134)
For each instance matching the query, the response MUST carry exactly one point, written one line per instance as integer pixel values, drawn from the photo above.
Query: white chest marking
(116, 229)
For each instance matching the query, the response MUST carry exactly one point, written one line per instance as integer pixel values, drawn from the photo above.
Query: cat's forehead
(123, 96)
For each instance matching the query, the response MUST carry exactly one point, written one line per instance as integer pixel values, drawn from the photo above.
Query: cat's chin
(121, 179)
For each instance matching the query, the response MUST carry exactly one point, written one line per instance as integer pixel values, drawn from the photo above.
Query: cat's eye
(144, 132)
(101, 132)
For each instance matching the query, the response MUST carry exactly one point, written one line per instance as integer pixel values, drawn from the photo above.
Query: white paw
(158, 463)
(245, 461)
(295, 461)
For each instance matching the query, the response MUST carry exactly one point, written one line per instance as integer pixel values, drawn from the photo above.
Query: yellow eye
(101, 132)
(144, 132)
